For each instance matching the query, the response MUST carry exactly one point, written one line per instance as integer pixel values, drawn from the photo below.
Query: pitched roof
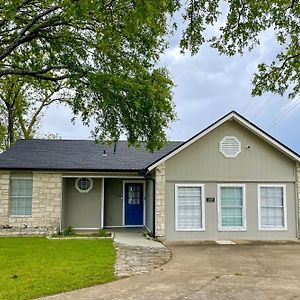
(233, 115)
(78, 155)
(86, 155)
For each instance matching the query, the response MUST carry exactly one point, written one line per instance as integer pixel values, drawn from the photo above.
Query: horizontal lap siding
(202, 162)
(211, 217)
(113, 202)
(82, 210)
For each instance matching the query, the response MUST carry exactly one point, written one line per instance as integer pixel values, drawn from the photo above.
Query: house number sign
(210, 199)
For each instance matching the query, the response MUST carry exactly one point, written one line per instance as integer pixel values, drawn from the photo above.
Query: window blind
(189, 207)
(20, 196)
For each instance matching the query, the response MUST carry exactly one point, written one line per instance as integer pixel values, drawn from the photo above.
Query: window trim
(23, 178)
(220, 227)
(201, 185)
(272, 228)
(80, 190)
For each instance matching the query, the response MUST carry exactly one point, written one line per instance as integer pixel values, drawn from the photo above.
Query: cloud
(208, 86)
(57, 120)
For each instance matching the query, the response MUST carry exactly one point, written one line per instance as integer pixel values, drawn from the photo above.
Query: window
(84, 185)
(230, 146)
(189, 207)
(231, 207)
(20, 196)
(272, 207)
(134, 194)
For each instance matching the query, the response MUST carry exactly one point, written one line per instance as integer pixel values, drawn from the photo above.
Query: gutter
(147, 177)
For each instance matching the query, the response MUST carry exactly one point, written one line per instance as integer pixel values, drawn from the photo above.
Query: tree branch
(286, 60)
(22, 37)
(36, 74)
(292, 4)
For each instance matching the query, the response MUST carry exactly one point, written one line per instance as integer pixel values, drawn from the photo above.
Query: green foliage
(22, 103)
(35, 267)
(238, 24)
(105, 53)
(103, 233)
(68, 231)
(102, 55)
(3, 136)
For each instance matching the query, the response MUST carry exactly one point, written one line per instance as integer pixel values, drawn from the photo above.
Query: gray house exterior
(230, 181)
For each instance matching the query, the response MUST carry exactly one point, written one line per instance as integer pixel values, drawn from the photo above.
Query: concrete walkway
(211, 271)
(134, 237)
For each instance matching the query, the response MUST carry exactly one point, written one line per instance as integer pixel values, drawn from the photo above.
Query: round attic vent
(230, 146)
(84, 185)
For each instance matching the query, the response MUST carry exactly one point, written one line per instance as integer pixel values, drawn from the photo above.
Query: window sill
(191, 230)
(20, 216)
(231, 229)
(273, 229)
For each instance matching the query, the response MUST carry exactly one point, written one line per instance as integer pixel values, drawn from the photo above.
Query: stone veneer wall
(160, 182)
(298, 194)
(4, 197)
(46, 206)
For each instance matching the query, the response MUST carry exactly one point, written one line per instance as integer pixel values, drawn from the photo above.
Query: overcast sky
(208, 86)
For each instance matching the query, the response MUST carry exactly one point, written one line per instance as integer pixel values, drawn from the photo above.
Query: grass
(70, 232)
(31, 267)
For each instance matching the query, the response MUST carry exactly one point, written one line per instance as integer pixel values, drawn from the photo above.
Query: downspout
(145, 173)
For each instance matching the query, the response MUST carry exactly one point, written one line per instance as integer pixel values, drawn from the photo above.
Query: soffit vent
(230, 146)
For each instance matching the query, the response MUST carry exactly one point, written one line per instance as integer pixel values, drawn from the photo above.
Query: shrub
(68, 231)
(103, 233)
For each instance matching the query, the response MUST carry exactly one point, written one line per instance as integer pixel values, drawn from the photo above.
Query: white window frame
(79, 189)
(237, 228)
(202, 206)
(268, 228)
(10, 197)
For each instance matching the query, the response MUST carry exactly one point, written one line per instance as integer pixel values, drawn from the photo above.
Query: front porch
(134, 237)
(93, 202)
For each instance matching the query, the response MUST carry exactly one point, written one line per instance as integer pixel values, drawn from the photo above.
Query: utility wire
(260, 108)
(285, 113)
(245, 107)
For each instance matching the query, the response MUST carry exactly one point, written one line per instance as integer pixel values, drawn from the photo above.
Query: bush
(68, 231)
(103, 233)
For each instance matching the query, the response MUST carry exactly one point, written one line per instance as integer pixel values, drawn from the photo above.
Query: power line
(245, 107)
(260, 108)
(285, 113)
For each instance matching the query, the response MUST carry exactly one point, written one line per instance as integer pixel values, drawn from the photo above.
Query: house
(230, 181)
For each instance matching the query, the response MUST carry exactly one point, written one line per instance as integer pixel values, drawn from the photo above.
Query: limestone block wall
(160, 182)
(4, 197)
(46, 206)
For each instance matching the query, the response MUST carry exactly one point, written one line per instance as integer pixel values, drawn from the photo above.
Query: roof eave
(69, 170)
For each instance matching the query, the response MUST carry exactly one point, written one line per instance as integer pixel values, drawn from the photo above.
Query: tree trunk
(10, 124)
(10, 127)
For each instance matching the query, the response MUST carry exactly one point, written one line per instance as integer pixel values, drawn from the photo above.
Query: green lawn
(33, 266)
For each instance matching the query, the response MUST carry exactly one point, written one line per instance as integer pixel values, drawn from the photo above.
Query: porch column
(160, 181)
(4, 198)
(298, 193)
(102, 203)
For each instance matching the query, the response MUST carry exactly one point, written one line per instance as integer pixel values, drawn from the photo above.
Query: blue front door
(134, 203)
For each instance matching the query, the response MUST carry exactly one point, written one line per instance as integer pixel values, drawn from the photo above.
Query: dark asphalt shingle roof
(79, 155)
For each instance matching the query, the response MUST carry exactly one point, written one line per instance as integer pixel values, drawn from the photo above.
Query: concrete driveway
(210, 271)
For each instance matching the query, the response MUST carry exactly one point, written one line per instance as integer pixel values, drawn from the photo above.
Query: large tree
(104, 51)
(239, 24)
(23, 101)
